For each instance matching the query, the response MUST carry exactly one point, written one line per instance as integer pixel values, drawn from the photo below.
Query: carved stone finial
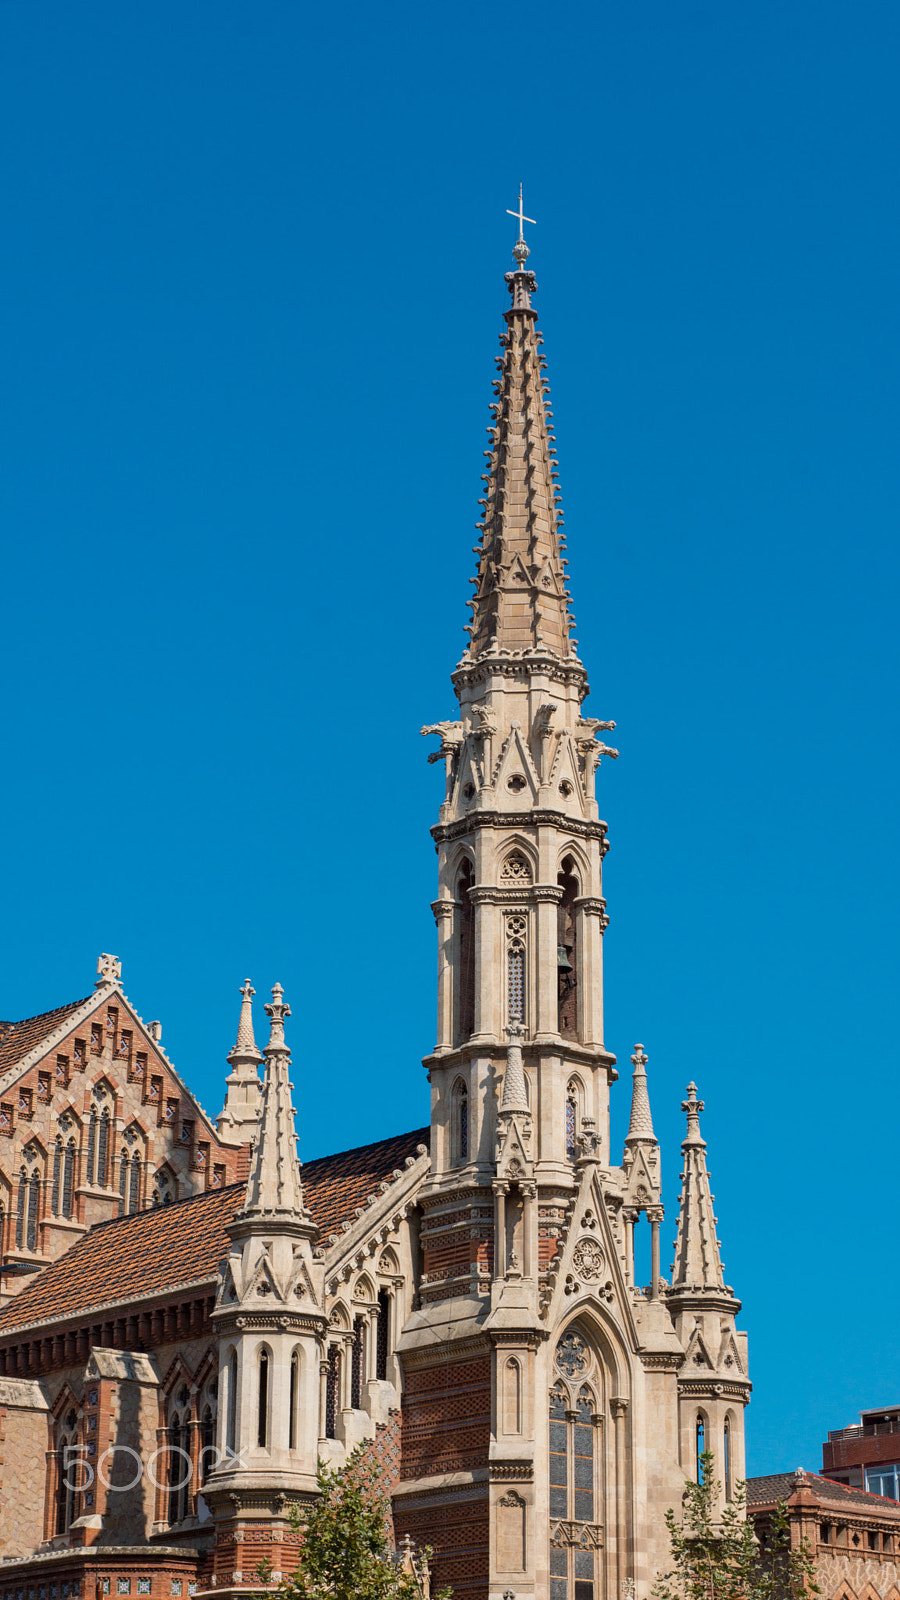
(109, 970)
(245, 1044)
(640, 1127)
(515, 1094)
(693, 1107)
(276, 1010)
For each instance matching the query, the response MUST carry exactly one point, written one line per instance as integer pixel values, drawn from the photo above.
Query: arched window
(67, 1462)
(459, 1136)
(516, 931)
(566, 950)
(208, 1433)
(572, 1119)
(700, 1444)
(262, 1428)
(179, 1467)
(466, 913)
(231, 1403)
(726, 1458)
(68, 1187)
(512, 1397)
(294, 1395)
(123, 1182)
(57, 1175)
(358, 1372)
(91, 1146)
(576, 1513)
(332, 1391)
(382, 1332)
(103, 1151)
(33, 1198)
(134, 1185)
(21, 1207)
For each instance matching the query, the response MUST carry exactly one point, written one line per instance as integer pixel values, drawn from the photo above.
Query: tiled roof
(157, 1251)
(781, 1485)
(17, 1039)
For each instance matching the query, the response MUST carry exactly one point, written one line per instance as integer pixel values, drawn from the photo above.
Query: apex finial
(109, 970)
(521, 251)
(693, 1107)
(245, 1044)
(639, 1060)
(276, 1010)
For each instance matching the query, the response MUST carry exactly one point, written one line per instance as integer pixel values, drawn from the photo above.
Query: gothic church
(190, 1319)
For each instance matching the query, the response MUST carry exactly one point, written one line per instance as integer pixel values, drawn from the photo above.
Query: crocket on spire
(274, 1187)
(697, 1260)
(521, 602)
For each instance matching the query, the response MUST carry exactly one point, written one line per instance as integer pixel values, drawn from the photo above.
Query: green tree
(715, 1554)
(346, 1553)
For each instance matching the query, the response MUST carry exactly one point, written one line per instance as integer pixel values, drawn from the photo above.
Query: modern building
(461, 1297)
(867, 1453)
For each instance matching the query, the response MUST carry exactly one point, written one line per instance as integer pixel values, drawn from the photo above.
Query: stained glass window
(575, 1527)
(460, 1129)
(68, 1178)
(570, 1128)
(516, 1006)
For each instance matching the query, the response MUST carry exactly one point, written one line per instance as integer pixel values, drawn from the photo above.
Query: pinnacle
(520, 602)
(640, 1128)
(245, 1044)
(274, 1183)
(698, 1263)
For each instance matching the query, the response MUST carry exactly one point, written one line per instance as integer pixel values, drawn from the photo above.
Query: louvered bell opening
(562, 959)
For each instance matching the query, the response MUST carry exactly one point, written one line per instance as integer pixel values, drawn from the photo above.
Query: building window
(884, 1480)
(103, 1151)
(358, 1372)
(67, 1473)
(464, 883)
(123, 1182)
(292, 1414)
(21, 1206)
(31, 1230)
(459, 1122)
(332, 1391)
(566, 951)
(91, 1146)
(262, 1430)
(575, 1527)
(68, 1187)
(231, 1405)
(208, 1434)
(699, 1444)
(179, 1467)
(57, 1176)
(134, 1185)
(382, 1333)
(726, 1455)
(571, 1121)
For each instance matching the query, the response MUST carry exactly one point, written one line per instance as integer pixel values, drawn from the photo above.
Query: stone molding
(446, 832)
(715, 1389)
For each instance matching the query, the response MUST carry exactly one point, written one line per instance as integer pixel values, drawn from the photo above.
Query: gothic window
(262, 1427)
(21, 1206)
(575, 1484)
(103, 1151)
(91, 1146)
(66, 1473)
(571, 1121)
(726, 1458)
(32, 1219)
(162, 1189)
(208, 1433)
(332, 1391)
(134, 1185)
(358, 1372)
(699, 1444)
(566, 950)
(516, 929)
(382, 1333)
(231, 1403)
(294, 1394)
(123, 1182)
(68, 1185)
(57, 1175)
(466, 914)
(179, 1474)
(459, 1135)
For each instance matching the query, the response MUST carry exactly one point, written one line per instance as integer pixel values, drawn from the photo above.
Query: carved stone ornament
(511, 1499)
(588, 1260)
(571, 1355)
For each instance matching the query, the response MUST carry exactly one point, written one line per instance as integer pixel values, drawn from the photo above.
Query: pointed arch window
(179, 1473)
(21, 1207)
(68, 1187)
(726, 1459)
(459, 1122)
(57, 1175)
(31, 1231)
(567, 950)
(294, 1395)
(571, 1121)
(262, 1425)
(231, 1403)
(358, 1372)
(208, 1439)
(134, 1185)
(123, 1182)
(699, 1444)
(466, 1000)
(66, 1472)
(382, 1333)
(575, 1464)
(516, 933)
(103, 1150)
(332, 1391)
(92, 1146)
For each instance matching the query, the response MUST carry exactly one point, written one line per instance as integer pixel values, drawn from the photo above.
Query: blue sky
(250, 289)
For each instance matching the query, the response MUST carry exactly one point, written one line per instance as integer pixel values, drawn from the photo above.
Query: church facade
(460, 1298)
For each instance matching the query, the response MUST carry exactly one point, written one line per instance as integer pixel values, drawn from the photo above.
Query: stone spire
(240, 1113)
(521, 602)
(697, 1262)
(274, 1189)
(515, 1096)
(640, 1128)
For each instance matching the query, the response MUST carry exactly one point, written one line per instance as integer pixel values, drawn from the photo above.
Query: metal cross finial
(520, 248)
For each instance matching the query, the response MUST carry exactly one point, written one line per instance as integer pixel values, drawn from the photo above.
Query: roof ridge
(358, 1149)
(69, 1005)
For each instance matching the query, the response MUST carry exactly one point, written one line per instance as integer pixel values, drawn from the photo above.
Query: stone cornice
(277, 1320)
(445, 832)
(434, 1354)
(716, 1388)
(536, 663)
(506, 894)
(489, 1047)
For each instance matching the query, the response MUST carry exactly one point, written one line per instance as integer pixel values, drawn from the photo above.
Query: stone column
(500, 1231)
(655, 1214)
(445, 917)
(619, 1409)
(629, 1218)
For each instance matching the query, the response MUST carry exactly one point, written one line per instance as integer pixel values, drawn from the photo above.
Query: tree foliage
(715, 1554)
(345, 1552)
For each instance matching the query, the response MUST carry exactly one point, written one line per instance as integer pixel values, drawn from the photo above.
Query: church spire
(240, 1113)
(697, 1261)
(640, 1128)
(521, 602)
(273, 1187)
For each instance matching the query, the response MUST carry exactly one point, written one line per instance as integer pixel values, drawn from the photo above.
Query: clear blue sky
(250, 286)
